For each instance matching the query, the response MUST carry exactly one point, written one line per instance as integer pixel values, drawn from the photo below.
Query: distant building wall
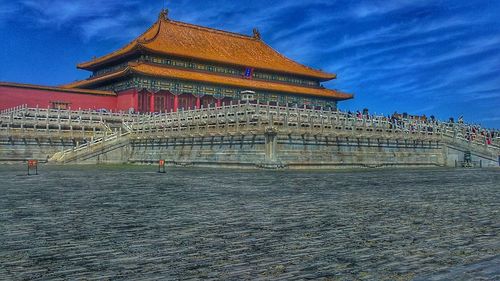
(13, 96)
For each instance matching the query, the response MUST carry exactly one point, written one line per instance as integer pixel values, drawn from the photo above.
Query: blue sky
(428, 57)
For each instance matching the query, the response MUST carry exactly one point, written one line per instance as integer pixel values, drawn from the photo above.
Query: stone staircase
(92, 149)
(489, 152)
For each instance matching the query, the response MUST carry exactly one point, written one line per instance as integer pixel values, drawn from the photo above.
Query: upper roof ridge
(163, 16)
(210, 29)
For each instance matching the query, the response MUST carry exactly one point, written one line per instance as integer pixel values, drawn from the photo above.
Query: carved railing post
(270, 144)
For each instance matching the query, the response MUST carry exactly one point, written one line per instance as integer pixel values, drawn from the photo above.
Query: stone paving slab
(487, 269)
(130, 223)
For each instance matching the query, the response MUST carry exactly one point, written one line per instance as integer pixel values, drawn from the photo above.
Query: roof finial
(256, 34)
(163, 14)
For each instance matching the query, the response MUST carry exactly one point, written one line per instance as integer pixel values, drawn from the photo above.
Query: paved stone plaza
(131, 223)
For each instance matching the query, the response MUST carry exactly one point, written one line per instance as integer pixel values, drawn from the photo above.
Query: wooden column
(135, 100)
(198, 102)
(165, 97)
(152, 103)
(176, 102)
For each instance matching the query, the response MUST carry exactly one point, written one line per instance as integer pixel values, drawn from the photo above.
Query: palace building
(176, 65)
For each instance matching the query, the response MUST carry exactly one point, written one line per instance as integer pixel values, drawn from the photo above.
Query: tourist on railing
(365, 112)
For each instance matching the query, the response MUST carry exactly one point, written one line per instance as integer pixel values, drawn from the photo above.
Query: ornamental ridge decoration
(256, 34)
(163, 14)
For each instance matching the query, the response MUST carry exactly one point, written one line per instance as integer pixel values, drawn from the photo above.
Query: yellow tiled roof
(175, 38)
(205, 77)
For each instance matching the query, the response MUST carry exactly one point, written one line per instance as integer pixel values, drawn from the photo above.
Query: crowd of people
(476, 132)
(470, 132)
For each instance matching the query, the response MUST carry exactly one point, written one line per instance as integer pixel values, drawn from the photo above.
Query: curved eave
(95, 80)
(179, 74)
(125, 50)
(319, 74)
(95, 64)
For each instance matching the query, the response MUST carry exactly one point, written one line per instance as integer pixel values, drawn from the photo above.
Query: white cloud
(92, 18)
(379, 8)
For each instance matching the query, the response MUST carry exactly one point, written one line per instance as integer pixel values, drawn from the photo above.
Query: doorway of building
(160, 103)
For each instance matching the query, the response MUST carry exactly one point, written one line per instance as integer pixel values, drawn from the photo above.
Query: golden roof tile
(180, 39)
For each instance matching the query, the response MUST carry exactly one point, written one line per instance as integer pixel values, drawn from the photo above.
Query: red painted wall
(14, 96)
(127, 99)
